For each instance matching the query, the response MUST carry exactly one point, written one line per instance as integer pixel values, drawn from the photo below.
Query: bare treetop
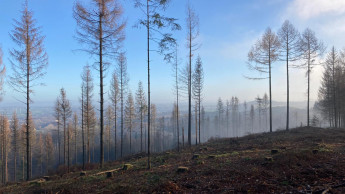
(30, 58)
(104, 14)
(192, 25)
(264, 52)
(289, 38)
(310, 47)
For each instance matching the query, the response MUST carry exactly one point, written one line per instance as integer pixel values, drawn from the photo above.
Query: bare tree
(75, 134)
(32, 132)
(129, 118)
(141, 109)
(227, 114)
(196, 122)
(198, 85)
(121, 72)
(155, 23)
(265, 107)
(203, 114)
(109, 116)
(289, 39)
(40, 149)
(28, 62)
(5, 133)
(15, 142)
(49, 150)
(57, 110)
(263, 54)
(220, 110)
(102, 31)
(69, 137)
(259, 102)
(176, 90)
(235, 115)
(192, 24)
(174, 116)
(252, 116)
(82, 99)
(311, 48)
(66, 113)
(115, 98)
(153, 121)
(22, 148)
(245, 105)
(88, 109)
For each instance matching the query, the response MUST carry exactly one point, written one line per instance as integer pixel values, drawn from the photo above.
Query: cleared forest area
(301, 160)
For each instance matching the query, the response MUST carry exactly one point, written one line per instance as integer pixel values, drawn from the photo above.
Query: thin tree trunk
(148, 87)
(199, 117)
(59, 146)
(270, 85)
(64, 139)
(28, 170)
(68, 148)
(101, 86)
(82, 126)
(75, 144)
(183, 137)
(141, 127)
(308, 87)
(334, 91)
(287, 85)
(196, 125)
(115, 150)
(15, 165)
(190, 89)
(121, 112)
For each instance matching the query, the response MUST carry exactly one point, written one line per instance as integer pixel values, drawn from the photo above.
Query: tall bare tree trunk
(287, 86)
(101, 88)
(148, 88)
(190, 89)
(28, 161)
(270, 85)
(199, 117)
(196, 124)
(308, 118)
(82, 125)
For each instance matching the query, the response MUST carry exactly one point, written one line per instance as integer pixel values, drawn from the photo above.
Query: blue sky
(228, 29)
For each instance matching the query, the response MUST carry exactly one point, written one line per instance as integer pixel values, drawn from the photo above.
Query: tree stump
(109, 174)
(127, 166)
(274, 151)
(195, 156)
(182, 169)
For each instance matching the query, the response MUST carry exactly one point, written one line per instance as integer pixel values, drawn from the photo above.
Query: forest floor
(301, 160)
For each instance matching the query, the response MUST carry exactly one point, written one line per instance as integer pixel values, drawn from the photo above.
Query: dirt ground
(302, 160)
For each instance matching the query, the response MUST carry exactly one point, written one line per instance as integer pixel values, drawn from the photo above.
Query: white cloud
(307, 9)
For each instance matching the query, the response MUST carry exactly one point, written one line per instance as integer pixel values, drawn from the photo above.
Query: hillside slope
(307, 159)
